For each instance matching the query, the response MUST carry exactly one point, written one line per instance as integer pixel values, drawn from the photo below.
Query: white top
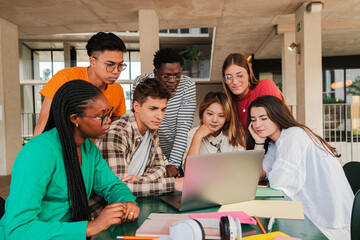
(141, 156)
(210, 144)
(295, 165)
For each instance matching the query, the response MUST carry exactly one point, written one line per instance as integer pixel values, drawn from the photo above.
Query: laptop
(218, 179)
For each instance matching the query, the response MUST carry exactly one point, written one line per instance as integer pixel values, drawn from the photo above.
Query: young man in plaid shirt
(132, 149)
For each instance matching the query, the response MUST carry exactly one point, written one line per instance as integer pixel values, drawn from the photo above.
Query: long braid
(72, 98)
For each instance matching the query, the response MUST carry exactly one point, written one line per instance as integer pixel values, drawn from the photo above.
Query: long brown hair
(236, 130)
(218, 97)
(280, 114)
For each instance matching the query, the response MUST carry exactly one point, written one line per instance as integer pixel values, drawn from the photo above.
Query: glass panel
(204, 30)
(128, 96)
(173, 31)
(135, 64)
(125, 75)
(352, 84)
(333, 86)
(82, 58)
(186, 30)
(353, 96)
(58, 61)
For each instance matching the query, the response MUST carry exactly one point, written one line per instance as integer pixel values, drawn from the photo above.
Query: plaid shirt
(118, 148)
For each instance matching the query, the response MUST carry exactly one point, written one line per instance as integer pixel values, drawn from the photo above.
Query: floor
(4, 186)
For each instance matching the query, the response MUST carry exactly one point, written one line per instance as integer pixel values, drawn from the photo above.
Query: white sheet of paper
(267, 208)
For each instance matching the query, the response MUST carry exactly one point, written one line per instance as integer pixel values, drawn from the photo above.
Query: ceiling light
(292, 46)
(340, 84)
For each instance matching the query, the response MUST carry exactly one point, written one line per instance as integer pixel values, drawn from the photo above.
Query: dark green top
(38, 207)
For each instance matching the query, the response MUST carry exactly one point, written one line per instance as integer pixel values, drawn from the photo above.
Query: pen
(271, 223)
(134, 237)
(260, 226)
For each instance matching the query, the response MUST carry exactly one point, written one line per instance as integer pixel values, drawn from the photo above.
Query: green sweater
(38, 207)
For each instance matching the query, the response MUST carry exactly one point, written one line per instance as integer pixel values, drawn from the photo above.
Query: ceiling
(241, 25)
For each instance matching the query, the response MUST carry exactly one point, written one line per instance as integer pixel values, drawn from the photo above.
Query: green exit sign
(298, 26)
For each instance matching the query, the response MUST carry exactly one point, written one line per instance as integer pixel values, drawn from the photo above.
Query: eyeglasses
(167, 78)
(104, 118)
(229, 78)
(110, 67)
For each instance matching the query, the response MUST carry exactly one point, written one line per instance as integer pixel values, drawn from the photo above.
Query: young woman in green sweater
(55, 173)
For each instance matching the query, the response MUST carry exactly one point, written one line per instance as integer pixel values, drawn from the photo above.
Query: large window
(341, 85)
(45, 64)
(341, 96)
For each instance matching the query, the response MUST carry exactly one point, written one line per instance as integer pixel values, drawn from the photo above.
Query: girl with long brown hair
(241, 88)
(302, 165)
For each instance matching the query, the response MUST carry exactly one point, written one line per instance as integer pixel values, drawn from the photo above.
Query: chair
(2, 207)
(352, 172)
(355, 218)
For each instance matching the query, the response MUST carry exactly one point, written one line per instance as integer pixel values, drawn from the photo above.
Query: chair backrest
(355, 218)
(2, 207)
(352, 172)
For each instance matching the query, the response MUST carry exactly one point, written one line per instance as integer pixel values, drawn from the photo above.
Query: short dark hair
(150, 87)
(167, 55)
(104, 41)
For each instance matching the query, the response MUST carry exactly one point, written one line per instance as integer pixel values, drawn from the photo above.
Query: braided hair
(72, 98)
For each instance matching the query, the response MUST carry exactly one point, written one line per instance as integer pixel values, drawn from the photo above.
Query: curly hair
(167, 55)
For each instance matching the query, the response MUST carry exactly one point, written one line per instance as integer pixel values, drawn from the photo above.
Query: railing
(341, 128)
(341, 124)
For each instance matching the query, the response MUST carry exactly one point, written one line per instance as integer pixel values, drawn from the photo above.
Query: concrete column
(149, 38)
(288, 63)
(10, 104)
(309, 68)
(67, 59)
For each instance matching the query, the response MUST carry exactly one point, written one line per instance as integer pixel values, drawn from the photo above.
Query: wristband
(259, 143)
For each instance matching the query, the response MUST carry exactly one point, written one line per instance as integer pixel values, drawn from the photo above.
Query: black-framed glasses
(110, 67)
(104, 118)
(167, 78)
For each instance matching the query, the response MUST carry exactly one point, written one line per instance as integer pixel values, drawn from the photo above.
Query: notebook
(218, 179)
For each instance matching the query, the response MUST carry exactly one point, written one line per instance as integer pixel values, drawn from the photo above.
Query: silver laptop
(218, 179)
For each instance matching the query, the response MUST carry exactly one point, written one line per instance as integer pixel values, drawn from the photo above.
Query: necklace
(247, 101)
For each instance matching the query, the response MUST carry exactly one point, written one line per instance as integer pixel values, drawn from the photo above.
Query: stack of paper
(268, 208)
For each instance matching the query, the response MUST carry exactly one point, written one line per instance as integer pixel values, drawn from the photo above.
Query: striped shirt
(178, 119)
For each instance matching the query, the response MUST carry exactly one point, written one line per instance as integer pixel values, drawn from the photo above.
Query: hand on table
(172, 171)
(132, 212)
(112, 214)
(179, 182)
